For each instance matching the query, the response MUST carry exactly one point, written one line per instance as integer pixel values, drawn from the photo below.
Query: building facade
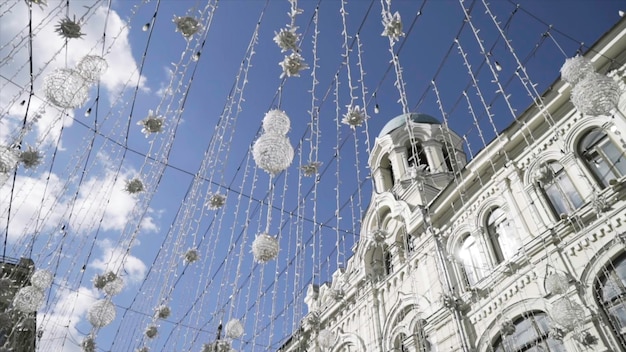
(17, 330)
(520, 249)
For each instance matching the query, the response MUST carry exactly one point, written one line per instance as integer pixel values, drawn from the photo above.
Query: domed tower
(414, 157)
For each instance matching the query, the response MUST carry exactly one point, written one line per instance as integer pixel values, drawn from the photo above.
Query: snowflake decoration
(216, 201)
(311, 168)
(292, 65)
(88, 344)
(217, 346)
(151, 331)
(100, 281)
(287, 39)
(191, 256)
(30, 158)
(163, 312)
(354, 117)
(142, 349)
(69, 29)
(134, 186)
(188, 26)
(151, 124)
(393, 26)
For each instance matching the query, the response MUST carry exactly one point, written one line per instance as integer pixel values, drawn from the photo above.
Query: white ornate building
(520, 249)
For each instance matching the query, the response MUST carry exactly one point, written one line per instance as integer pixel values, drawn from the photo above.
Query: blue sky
(73, 218)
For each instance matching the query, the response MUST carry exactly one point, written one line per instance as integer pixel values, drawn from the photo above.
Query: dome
(399, 121)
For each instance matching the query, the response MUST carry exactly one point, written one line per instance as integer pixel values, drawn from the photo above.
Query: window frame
(593, 150)
(560, 191)
(541, 336)
(610, 271)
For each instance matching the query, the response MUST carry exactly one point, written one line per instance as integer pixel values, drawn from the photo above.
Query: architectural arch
(405, 318)
(350, 340)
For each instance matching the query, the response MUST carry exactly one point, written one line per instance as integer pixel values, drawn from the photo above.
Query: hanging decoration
(8, 162)
(41, 3)
(114, 287)
(556, 283)
(596, 94)
(151, 124)
(143, 349)
(217, 346)
(543, 174)
(41, 279)
(354, 117)
(234, 329)
(216, 201)
(187, 25)
(151, 331)
(272, 152)
(287, 39)
(30, 158)
(88, 344)
(292, 65)
(28, 299)
(92, 67)
(101, 313)
(134, 186)
(311, 168)
(69, 28)
(66, 88)
(392, 26)
(191, 256)
(326, 338)
(567, 313)
(163, 312)
(265, 248)
(576, 68)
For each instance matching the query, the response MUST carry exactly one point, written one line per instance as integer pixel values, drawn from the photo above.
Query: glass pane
(570, 191)
(601, 168)
(618, 313)
(555, 346)
(559, 204)
(610, 289)
(615, 158)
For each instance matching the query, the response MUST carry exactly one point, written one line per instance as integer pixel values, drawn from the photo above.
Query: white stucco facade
(458, 256)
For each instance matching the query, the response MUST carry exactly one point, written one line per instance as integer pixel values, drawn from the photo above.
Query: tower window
(417, 156)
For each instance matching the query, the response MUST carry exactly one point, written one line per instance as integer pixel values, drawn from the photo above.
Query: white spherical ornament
(28, 299)
(576, 68)
(41, 279)
(91, 67)
(566, 313)
(272, 153)
(66, 88)
(326, 338)
(596, 94)
(265, 248)
(556, 284)
(9, 158)
(101, 313)
(276, 121)
(114, 286)
(234, 329)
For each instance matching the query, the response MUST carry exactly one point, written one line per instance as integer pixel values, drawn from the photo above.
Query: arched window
(610, 289)
(416, 155)
(502, 235)
(399, 343)
(531, 334)
(472, 259)
(559, 189)
(605, 160)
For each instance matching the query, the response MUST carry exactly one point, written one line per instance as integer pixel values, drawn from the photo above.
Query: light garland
(66, 88)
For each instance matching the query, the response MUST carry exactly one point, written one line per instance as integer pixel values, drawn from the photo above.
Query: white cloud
(43, 202)
(59, 325)
(118, 259)
(49, 54)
